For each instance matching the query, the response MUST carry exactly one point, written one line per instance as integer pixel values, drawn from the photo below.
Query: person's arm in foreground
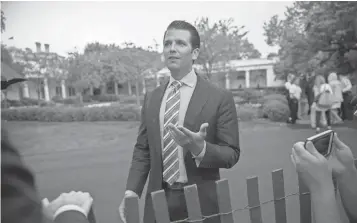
(140, 164)
(313, 169)
(342, 164)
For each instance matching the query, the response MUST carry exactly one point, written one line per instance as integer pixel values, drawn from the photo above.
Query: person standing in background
(336, 87)
(294, 98)
(346, 108)
(321, 87)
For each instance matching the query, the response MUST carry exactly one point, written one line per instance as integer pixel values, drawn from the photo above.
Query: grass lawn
(95, 157)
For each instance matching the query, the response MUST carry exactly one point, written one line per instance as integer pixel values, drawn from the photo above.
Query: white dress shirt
(189, 83)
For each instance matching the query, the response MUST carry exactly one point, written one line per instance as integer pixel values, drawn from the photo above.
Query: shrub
(71, 114)
(246, 112)
(249, 94)
(276, 110)
(239, 100)
(106, 97)
(271, 97)
(130, 99)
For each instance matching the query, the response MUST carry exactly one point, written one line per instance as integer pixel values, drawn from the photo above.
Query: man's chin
(173, 67)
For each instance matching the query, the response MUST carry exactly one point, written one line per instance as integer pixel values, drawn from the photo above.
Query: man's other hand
(122, 204)
(82, 200)
(192, 141)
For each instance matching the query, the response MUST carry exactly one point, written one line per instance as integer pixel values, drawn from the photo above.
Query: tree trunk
(137, 92)
(129, 87)
(81, 98)
(5, 98)
(144, 85)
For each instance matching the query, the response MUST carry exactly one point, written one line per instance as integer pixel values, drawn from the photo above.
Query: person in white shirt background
(346, 109)
(336, 87)
(320, 87)
(294, 96)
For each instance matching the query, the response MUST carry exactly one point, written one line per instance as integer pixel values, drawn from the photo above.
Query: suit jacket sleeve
(20, 202)
(140, 164)
(19, 198)
(225, 152)
(71, 217)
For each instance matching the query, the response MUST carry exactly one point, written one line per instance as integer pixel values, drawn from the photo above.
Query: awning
(7, 73)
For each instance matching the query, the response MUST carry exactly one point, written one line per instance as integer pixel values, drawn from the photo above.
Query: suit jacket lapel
(198, 100)
(154, 114)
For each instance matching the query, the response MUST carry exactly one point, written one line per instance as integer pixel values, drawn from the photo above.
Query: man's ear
(195, 53)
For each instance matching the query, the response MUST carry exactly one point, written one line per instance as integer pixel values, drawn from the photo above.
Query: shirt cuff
(200, 156)
(130, 193)
(69, 207)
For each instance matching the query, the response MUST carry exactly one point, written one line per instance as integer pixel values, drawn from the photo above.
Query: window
(58, 91)
(71, 91)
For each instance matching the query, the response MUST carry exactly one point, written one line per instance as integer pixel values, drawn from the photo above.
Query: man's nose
(173, 47)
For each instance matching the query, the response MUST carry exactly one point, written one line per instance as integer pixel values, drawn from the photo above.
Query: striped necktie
(170, 153)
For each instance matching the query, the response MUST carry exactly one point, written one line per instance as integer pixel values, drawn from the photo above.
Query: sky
(66, 25)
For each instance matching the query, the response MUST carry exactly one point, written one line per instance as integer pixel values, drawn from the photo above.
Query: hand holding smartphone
(323, 142)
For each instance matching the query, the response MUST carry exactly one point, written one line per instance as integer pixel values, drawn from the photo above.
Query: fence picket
(253, 200)
(91, 216)
(132, 210)
(224, 201)
(160, 206)
(305, 203)
(193, 203)
(279, 196)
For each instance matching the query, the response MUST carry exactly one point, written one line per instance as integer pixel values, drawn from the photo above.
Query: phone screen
(323, 144)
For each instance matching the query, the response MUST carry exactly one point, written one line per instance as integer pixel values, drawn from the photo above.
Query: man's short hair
(183, 25)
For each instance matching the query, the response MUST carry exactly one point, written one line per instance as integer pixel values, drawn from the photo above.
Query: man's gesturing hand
(192, 141)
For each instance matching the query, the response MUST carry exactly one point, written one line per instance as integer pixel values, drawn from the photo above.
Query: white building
(235, 74)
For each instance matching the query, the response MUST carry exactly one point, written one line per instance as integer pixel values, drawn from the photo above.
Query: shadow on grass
(346, 124)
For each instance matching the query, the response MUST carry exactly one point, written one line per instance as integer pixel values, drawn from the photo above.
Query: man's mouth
(173, 58)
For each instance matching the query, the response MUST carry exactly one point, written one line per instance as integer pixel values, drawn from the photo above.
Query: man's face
(178, 51)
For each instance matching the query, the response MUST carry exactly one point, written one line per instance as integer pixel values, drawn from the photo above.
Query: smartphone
(322, 142)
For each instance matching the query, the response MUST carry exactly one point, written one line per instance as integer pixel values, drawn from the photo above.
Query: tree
(141, 62)
(316, 37)
(3, 19)
(221, 42)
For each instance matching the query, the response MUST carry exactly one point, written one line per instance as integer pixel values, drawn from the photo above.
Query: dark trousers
(318, 118)
(294, 107)
(346, 108)
(177, 206)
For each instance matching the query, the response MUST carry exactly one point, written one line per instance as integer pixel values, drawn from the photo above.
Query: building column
(270, 76)
(116, 90)
(26, 90)
(228, 81)
(247, 78)
(45, 87)
(63, 88)
(103, 89)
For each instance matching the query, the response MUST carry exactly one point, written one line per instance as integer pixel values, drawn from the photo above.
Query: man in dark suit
(188, 131)
(19, 199)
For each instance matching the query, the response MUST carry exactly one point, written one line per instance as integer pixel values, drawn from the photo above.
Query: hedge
(73, 114)
(247, 112)
(272, 97)
(276, 111)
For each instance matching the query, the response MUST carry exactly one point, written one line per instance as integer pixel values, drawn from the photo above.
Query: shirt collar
(190, 79)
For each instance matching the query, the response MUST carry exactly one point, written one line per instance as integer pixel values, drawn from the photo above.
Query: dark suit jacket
(208, 104)
(20, 202)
